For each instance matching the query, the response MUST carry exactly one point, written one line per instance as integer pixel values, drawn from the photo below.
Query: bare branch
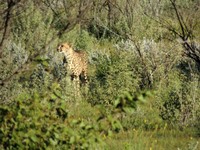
(68, 26)
(185, 32)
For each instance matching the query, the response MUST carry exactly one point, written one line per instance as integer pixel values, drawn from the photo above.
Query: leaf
(58, 93)
(53, 142)
(41, 58)
(110, 133)
(75, 122)
(129, 110)
(45, 63)
(85, 146)
(117, 102)
(141, 98)
(82, 124)
(34, 138)
(116, 125)
(53, 96)
(72, 140)
(88, 127)
(54, 86)
(56, 135)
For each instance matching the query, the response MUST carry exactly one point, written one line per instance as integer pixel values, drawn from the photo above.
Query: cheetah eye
(61, 46)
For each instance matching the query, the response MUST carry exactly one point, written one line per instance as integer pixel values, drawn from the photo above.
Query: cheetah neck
(69, 54)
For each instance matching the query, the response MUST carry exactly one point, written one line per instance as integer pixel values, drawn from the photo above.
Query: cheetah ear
(70, 45)
(60, 44)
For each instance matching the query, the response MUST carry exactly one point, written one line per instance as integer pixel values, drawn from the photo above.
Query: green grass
(83, 127)
(153, 140)
(138, 139)
(83, 111)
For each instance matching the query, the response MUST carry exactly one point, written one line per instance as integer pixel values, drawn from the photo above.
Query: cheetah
(77, 63)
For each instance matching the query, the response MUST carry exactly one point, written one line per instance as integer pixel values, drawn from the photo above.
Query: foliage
(143, 74)
(113, 76)
(35, 123)
(180, 104)
(43, 121)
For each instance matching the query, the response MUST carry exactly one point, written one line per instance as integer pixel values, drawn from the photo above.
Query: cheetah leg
(85, 83)
(85, 77)
(76, 87)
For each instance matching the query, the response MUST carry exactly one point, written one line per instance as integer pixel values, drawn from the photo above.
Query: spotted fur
(77, 62)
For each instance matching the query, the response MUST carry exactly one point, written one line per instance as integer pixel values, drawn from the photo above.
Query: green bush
(41, 121)
(179, 104)
(112, 76)
(129, 54)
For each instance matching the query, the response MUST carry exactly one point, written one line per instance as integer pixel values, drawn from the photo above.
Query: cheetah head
(65, 47)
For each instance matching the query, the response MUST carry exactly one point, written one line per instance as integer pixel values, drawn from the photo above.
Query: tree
(185, 32)
(7, 14)
(182, 25)
(62, 22)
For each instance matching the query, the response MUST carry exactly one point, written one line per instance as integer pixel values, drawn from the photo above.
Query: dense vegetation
(144, 74)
